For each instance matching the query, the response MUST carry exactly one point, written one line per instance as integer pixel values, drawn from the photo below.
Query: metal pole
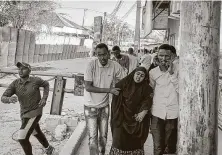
(137, 27)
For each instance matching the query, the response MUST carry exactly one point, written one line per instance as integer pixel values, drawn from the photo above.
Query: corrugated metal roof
(58, 20)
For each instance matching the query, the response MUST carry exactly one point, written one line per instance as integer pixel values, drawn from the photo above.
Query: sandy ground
(9, 113)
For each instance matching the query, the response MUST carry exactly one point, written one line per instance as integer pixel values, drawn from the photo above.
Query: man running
(26, 88)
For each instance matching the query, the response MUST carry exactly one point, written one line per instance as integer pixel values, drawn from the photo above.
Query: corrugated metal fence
(28, 51)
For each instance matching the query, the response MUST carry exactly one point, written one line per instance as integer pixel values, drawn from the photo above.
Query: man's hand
(125, 70)
(171, 66)
(13, 99)
(42, 103)
(156, 61)
(115, 91)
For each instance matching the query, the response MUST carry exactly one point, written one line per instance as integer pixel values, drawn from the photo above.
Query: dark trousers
(30, 126)
(164, 134)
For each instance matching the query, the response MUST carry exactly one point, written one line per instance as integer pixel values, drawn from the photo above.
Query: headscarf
(133, 98)
(130, 85)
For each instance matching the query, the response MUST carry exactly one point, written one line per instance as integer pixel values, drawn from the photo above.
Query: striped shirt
(28, 94)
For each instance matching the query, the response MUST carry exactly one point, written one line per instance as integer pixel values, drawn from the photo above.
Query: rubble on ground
(60, 132)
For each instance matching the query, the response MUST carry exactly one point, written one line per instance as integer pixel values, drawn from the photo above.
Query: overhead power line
(116, 9)
(129, 11)
(84, 9)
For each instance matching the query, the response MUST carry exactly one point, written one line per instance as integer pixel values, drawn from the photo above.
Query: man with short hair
(165, 108)
(99, 78)
(133, 61)
(123, 60)
(131, 51)
(26, 88)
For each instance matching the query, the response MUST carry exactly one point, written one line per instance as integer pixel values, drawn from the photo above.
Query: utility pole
(120, 34)
(84, 14)
(104, 27)
(82, 40)
(199, 77)
(137, 27)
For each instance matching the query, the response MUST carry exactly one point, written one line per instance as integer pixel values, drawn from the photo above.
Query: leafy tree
(116, 31)
(27, 14)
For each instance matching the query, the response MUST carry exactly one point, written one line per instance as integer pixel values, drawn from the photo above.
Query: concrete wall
(20, 45)
(174, 26)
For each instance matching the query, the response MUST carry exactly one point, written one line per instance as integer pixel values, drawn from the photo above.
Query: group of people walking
(144, 99)
(142, 93)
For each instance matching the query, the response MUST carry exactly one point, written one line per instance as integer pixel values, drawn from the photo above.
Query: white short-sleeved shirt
(102, 77)
(165, 100)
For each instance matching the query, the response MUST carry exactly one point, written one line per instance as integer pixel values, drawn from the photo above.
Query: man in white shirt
(139, 55)
(145, 60)
(165, 109)
(99, 77)
(133, 61)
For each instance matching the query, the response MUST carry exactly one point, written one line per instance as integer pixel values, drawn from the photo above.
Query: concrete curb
(72, 145)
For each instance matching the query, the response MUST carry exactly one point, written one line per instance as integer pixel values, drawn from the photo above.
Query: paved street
(84, 150)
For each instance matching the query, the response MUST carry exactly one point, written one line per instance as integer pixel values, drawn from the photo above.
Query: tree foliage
(26, 14)
(116, 31)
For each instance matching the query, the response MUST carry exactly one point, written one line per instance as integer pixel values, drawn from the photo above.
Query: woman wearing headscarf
(130, 114)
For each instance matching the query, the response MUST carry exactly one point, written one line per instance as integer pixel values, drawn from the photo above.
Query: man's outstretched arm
(6, 97)
(90, 88)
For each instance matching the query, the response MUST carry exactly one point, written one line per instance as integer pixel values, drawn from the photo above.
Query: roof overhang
(155, 16)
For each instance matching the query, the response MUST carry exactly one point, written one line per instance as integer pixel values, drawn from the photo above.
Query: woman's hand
(13, 99)
(140, 116)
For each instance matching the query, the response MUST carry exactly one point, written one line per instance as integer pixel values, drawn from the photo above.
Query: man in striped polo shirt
(27, 92)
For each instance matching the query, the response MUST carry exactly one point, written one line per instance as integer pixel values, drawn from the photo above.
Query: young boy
(26, 88)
